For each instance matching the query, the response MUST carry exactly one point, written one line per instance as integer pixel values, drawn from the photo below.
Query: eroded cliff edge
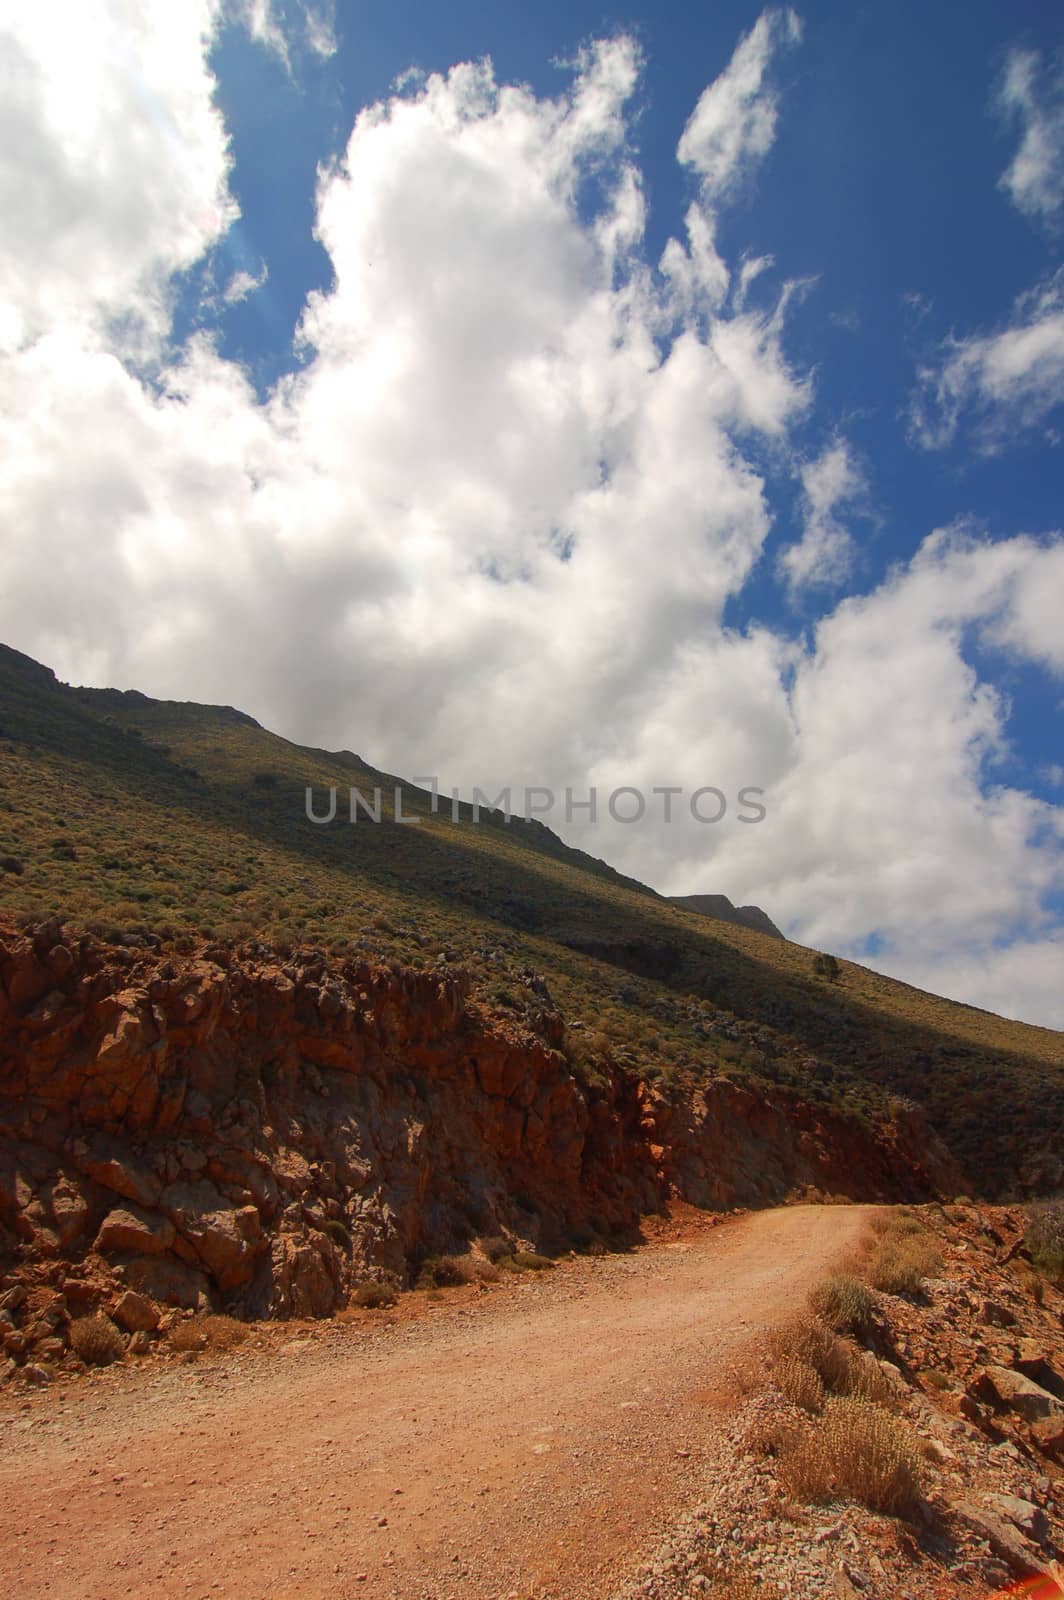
(259, 1133)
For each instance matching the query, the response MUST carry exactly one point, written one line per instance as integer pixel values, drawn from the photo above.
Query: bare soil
(524, 1442)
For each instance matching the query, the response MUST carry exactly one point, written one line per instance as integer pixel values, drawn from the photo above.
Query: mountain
(719, 906)
(166, 829)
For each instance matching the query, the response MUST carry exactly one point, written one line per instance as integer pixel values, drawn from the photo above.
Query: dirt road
(513, 1443)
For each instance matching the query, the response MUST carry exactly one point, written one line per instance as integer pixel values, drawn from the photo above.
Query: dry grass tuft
(843, 1369)
(207, 1332)
(855, 1452)
(449, 1272)
(526, 1261)
(900, 1265)
(374, 1296)
(799, 1383)
(96, 1341)
(844, 1303)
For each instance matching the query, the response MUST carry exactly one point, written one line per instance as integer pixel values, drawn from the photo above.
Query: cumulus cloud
(243, 283)
(891, 815)
(734, 123)
(823, 555)
(1033, 95)
(96, 222)
(491, 526)
(997, 382)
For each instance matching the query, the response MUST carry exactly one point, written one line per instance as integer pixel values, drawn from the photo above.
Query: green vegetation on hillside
(143, 819)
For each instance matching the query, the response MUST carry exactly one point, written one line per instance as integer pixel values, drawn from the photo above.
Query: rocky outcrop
(258, 1133)
(719, 906)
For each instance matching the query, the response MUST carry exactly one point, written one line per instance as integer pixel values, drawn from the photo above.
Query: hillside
(169, 826)
(719, 906)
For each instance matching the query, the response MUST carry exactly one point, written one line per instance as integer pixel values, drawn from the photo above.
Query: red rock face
(259, 1133)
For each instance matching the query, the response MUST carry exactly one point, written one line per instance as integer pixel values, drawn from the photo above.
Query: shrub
(844, 1303)
(528, 1261)
(1045, 1240)
(495, 1247)
(826, 966)
(374, 1296)
(447, 1272)
(339, 1233)
(899, 1266)
(444, 1272)
(1029, 1281)
(209, 1331)
(223, 1333)
(96, 1340)
(799, 1383)
(856, 1452)
(842, 1368)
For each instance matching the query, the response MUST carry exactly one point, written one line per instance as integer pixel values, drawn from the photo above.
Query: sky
(563, 397)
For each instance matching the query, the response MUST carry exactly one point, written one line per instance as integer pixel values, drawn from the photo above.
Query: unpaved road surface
(520, 1442)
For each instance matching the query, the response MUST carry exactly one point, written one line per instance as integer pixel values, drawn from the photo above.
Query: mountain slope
(719, 906)
(147, 821)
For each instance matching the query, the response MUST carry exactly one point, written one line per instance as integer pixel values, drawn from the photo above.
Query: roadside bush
(900, 1266)
(844, 1303)
(896, 1221)
(855, 1452)
(495, 1247)
(445, 1272)
(374, 1296)
(799, 1384)
(841, 1367)
(1045, 1240)
(210, 1331)
(96, 1341)
(527, 1261)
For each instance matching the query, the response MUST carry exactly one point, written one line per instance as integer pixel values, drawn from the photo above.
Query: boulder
(1048, 1435)
(70, 1209)
(1014, 1392)
(225, 1238)
(1023, 1514)
(135, 1313)
(1006, 1542)
(120, 1172)
(131, 1228)
(170, 1281)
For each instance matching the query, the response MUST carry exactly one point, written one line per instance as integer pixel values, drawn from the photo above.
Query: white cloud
(282, 28)
(889, 811)
(491, 527)
(320, 24)
(823, 555)
(1033, 95)
(96, 222)
(997, 382)
(734, 123)
(242, 283)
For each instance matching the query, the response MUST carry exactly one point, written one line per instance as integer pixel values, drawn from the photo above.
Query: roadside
(968, 1374)
(526, 1444)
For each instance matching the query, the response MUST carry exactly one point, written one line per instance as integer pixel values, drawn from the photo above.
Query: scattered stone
(1017, 1393)
(135, 1313)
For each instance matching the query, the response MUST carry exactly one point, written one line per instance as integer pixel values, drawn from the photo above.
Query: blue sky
(880, 196)
(557, 395)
